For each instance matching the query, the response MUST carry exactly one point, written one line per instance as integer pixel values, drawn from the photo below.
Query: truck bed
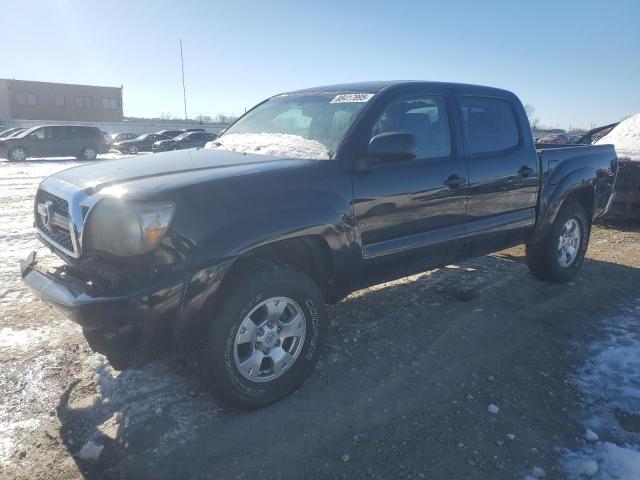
(575, 164)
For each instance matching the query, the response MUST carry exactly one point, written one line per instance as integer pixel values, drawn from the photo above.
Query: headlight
(127, 228)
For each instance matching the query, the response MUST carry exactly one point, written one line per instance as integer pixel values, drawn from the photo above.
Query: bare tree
(167, 116)
(533, 120)
(222, 118)
(203, 119)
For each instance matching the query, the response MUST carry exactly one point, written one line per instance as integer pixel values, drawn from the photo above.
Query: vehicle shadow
(406, 376)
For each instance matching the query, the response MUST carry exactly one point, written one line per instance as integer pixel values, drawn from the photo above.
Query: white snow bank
(277, 144)
(625, 137)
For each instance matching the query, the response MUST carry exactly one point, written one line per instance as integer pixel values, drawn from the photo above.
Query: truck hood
(172, 169)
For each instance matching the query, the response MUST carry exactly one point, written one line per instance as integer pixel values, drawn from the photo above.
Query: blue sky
(576, 62)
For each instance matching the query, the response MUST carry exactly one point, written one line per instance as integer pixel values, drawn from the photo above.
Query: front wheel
(266, 337)
(132, 149)
(560, 253)
(18, 154)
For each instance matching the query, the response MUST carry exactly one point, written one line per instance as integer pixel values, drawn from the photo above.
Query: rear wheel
(560, 253)
(89, 153)
(17, 154)
(266, 337)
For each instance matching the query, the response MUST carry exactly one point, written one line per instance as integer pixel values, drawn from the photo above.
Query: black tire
(17, 154)
(89, 153)
(215, 365)
(543, 256)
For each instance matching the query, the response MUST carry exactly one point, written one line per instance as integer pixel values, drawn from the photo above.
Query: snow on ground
(131, 400)
(277, 144)
(625, 137)
(610, 383)
(27, 351)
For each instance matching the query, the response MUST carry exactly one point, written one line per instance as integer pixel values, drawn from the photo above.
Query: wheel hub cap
(569, 243)
(269, 339)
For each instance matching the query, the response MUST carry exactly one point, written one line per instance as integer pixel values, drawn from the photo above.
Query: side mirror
(392, 146)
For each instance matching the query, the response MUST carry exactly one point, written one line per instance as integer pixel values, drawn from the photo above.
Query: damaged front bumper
(130, 328)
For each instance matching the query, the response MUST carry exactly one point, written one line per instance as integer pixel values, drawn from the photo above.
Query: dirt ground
(402, 390)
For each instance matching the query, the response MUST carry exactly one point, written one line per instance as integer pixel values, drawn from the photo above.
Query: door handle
(525, 171)
(454, 181)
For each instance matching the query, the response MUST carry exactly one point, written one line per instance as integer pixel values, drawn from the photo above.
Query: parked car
(15, 133)
(143, 143)
(107, 138)
(554, 140)
(10, 131)
(78, 141)
(120, 137)
(186, 140)
(170, 133)
(228, 254)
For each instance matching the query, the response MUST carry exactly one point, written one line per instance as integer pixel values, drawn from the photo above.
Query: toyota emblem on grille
(45, 210)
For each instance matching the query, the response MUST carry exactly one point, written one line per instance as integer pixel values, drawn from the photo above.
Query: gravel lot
(403, 389)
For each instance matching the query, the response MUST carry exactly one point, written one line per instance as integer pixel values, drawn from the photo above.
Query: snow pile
(625, 137)
(611, 391)
(607, 461)
(277, 144)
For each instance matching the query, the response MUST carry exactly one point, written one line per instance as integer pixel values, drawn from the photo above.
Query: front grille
(61, 204)
(57, 233)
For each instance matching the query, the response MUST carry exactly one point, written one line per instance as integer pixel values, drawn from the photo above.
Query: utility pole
(184, 89)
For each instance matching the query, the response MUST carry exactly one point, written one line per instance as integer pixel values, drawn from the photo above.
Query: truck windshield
(299, 126)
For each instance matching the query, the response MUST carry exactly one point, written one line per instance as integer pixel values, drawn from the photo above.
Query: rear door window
(488, 124)
(59, 133)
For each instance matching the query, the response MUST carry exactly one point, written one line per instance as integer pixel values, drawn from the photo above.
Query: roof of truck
(377, 86)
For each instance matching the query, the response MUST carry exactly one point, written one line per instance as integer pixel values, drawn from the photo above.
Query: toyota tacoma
(227, 254)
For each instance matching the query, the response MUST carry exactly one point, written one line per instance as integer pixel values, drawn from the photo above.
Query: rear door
(410, 214)
(65, 139)
(503, 173)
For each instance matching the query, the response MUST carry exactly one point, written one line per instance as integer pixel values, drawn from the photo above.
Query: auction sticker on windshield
(352, 98)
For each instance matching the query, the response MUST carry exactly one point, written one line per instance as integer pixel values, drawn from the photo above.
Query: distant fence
(118, 127)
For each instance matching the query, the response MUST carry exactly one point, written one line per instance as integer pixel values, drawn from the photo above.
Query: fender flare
(553, 197)
(209, 270)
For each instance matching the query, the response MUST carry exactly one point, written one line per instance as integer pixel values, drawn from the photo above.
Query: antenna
(184, 89)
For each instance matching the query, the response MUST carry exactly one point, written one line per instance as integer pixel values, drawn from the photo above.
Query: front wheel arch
(13, 149)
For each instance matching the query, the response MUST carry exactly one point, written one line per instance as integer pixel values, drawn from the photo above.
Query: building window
(110, 103)
(59, 101)
(84, 102)
(28, 99)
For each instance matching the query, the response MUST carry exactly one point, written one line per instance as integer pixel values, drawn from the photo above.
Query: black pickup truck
(227, 255)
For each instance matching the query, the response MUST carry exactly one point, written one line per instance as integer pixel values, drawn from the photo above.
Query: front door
(41, 143)
(503, 173)
(410, 214)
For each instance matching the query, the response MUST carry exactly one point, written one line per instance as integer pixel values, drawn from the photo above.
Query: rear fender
(554, 194)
